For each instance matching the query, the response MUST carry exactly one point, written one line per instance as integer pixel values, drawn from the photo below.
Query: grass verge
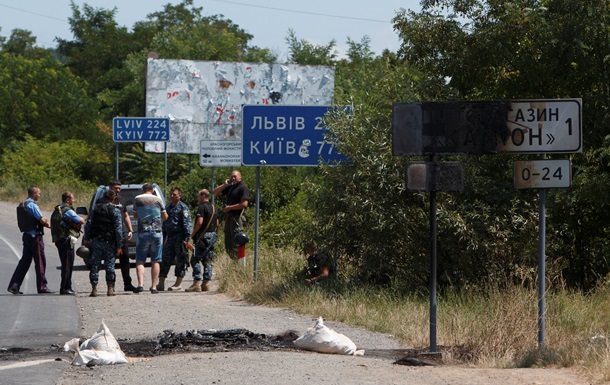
(485, 328)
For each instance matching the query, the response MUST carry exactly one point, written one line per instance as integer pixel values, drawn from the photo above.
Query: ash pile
(222, 340)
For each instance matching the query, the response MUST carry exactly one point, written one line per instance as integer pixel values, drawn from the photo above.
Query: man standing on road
(103, 236)
(119, 201)
(65, 230)
(238, 195)
(150, 212)
(176, 233)
(204, 237)
(31, 223)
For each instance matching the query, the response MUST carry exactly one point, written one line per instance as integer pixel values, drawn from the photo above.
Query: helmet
(83, 252)
(240, 238)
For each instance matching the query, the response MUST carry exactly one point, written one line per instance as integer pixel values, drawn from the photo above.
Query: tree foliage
(39, 162)
(42, 98)
(305, 53)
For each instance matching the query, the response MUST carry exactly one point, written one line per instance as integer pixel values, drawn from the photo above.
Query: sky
(317, 21)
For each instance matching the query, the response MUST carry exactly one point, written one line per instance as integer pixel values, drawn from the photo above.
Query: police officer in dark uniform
(103, 236)
(31, 223)
(238, 195)
(176, 233)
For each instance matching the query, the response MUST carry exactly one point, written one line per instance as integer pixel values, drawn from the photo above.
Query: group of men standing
(164, 235)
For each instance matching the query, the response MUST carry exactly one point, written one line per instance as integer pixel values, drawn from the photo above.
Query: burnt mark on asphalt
(215, 341)
(209, 341)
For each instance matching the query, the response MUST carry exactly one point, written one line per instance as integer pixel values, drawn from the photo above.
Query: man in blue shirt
(32, 223)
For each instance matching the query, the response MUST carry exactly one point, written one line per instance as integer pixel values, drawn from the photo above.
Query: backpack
(58, 227)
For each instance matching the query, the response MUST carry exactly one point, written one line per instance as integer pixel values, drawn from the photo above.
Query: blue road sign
(140, 129)
(280, 135)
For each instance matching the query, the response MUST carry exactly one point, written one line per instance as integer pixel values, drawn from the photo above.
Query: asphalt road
(39, 323)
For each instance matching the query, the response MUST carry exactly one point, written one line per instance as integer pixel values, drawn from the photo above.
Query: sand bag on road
(101, 349)
(321, 339)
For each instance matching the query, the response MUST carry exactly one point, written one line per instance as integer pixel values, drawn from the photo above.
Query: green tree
(305, 53)
(99, 49)
(21, 42)
(40, 97)
(524, 50)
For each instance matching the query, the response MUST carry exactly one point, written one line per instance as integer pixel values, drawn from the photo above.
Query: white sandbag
(101, 349)
(321, 339)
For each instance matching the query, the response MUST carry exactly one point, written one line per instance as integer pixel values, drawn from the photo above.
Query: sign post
(537, 126)
(282, 135)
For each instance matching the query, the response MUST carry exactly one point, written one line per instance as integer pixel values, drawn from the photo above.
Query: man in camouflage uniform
(204, 237)
(103, 235)
(176, 233)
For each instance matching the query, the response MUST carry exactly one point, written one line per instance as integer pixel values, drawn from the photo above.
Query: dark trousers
(232, 225)
(125, 265)
(66, 257)
(174, 250)
(33, 249)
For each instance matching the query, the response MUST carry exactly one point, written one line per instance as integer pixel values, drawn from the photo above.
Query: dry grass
(497, 328)
(50, 195)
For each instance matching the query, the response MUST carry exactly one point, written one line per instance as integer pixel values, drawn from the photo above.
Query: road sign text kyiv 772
(140, 129)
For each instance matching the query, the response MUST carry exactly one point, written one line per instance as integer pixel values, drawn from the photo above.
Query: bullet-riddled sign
(541, 126)
(287, 136)
(487, 127)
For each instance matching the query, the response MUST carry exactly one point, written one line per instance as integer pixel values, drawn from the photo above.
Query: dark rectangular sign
(448, 128)
(532, 126)
(434, 176)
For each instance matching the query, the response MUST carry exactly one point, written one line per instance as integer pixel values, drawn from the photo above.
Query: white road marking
(15, 251)
(25, 364)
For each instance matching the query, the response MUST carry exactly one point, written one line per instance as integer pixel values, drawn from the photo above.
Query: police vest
(103, 223)
(26, 221)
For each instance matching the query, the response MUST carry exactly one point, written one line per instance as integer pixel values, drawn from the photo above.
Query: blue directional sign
(140, 129)
(280, 135)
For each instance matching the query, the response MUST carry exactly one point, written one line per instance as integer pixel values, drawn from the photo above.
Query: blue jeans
(203, 257)
(149, 243)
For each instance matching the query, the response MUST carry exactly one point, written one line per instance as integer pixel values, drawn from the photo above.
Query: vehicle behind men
(128, 192)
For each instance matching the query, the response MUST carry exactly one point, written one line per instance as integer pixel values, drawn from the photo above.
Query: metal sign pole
(433, 262)
(213, 183)
(165, 169)
(116, 174)
(258, 189)
(541, 265)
